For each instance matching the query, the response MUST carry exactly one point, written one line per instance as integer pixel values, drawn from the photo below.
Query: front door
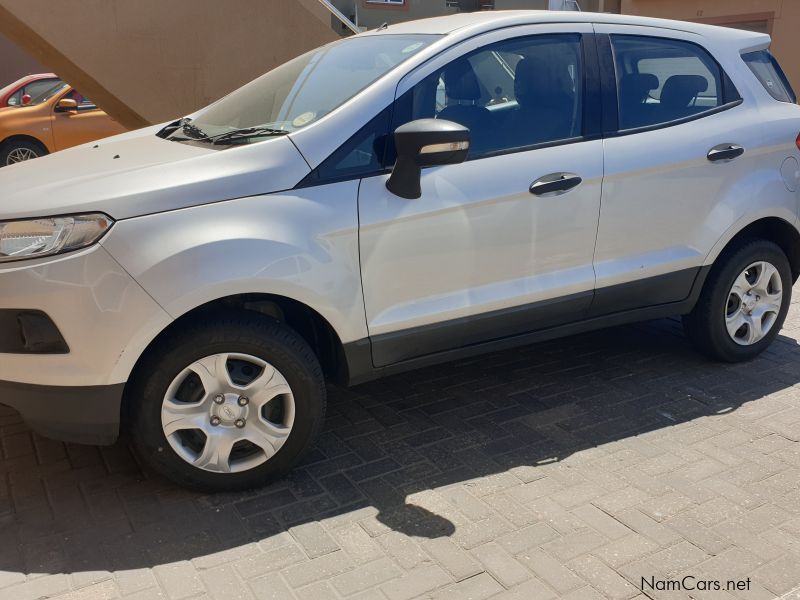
(501, 244)
(86, 124)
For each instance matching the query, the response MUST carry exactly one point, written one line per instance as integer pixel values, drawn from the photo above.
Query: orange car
(57, 119)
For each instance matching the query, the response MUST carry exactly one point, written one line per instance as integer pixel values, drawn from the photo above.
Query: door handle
(555, 184)
(725, 152)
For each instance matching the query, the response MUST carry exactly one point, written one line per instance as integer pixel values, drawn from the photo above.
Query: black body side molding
(652, 298)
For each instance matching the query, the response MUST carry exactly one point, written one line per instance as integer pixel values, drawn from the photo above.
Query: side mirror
(425, 143)
(26, 99)
(66, 105)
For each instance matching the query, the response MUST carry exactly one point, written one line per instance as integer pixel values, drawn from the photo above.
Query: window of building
(661, 80)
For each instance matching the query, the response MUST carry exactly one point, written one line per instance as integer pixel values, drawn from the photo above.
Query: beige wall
(146, 61)
(14, 62)
(782, 16)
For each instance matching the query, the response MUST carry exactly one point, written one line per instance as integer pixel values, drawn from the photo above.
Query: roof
(487, 20)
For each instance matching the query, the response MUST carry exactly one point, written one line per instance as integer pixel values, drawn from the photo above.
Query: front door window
(511, 95)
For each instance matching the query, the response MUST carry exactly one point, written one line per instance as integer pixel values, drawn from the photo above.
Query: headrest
(680, 90)
(540, 83)
(460, 81)
(635, 87)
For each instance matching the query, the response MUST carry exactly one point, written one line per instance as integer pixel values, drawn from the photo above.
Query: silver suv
(404, 197)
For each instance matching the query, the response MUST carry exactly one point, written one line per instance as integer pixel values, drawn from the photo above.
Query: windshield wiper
(192, 132)
(238, 135)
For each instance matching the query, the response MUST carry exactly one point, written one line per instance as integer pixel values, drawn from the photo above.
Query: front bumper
(82, 415)
(106, 320)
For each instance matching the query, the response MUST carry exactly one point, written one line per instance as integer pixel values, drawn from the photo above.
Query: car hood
(138, 173)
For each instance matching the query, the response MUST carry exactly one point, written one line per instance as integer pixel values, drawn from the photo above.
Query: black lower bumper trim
(29, 332)
(80, 414)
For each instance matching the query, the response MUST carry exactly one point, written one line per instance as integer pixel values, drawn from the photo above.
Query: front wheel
(743, 304)
(16, 151)
(227, 404)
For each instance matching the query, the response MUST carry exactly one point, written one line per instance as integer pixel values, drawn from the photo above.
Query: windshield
(8, 88)
(301, 91)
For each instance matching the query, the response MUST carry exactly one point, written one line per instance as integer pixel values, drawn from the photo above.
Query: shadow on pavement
(83, 509)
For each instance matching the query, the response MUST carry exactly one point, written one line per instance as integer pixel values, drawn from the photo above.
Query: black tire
(238, 332)
(7, 148)
(705, 325)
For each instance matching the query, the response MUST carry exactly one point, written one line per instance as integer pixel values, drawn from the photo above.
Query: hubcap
(754, 303)
(228, 413)
(20, 155)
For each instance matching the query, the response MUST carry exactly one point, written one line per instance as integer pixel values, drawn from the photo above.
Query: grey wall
(520, 4)
(371, 15)
(374, 15)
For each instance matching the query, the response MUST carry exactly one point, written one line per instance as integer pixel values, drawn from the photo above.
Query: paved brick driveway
(568, 469)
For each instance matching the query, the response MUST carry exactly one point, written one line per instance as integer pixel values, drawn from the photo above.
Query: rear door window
(767, 70)
(661, 80)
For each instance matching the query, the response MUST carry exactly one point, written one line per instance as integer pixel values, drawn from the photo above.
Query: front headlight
(36, 238)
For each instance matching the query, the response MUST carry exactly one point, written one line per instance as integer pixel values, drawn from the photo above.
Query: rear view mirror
(66, 105)
(425, 143)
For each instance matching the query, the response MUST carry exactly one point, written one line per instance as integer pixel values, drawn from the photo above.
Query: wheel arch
(307, 322)
(774, 229)
(27, 138)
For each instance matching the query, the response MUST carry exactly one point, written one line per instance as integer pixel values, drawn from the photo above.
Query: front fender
(301, 244)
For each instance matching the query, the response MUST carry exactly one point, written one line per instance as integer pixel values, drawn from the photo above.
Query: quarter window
(660, 81)
(361, 156)
(770, 74)
(511, 95)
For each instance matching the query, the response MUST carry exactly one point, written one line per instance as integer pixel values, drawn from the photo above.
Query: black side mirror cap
(425, 143)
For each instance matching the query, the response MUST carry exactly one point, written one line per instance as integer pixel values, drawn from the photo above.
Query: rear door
(679, 142)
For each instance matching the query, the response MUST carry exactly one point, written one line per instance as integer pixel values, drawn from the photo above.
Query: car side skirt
(653, 298)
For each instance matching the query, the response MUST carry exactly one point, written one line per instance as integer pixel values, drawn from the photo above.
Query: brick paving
(569, 469)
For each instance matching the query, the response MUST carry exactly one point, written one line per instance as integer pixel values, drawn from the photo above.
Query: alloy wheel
(18, 155)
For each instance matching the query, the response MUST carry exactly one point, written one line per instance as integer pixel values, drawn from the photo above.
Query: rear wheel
(743, 304)
(16, 151)
(228, 404)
